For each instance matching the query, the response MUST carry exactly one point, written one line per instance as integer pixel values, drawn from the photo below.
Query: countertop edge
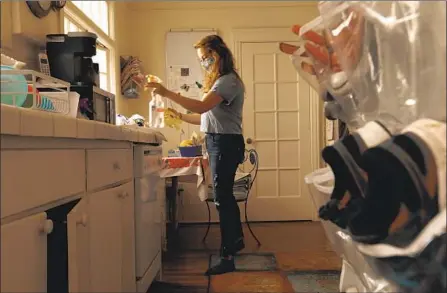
(17, 121)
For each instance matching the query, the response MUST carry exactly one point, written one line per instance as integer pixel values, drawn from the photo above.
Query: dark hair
(225, 65)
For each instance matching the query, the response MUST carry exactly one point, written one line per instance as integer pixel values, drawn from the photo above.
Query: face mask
(207, 63)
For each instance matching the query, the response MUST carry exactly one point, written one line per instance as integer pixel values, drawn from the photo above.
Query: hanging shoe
(407, 187)
(413, 252)
(344, 158)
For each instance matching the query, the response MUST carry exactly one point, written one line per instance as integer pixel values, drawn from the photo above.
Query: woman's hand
(157, 88)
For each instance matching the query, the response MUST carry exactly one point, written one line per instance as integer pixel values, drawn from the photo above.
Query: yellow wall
(23, 34)
(123, 33)
(150, 21)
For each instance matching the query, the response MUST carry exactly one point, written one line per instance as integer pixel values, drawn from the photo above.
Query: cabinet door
(78, 248)
(24, 254)
(128, 238)
(104, 212)
(162, 219)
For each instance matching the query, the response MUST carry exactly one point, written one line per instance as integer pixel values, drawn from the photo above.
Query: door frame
(317, 123)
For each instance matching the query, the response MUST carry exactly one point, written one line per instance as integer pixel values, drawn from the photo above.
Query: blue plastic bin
(191, 151)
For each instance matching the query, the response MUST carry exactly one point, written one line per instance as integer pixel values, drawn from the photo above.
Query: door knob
(82, 221)
(249, 140)
(46, 227)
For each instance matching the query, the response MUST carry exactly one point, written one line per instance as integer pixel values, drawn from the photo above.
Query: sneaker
(223, 267)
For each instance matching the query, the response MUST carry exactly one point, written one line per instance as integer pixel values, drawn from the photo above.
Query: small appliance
(70, 59)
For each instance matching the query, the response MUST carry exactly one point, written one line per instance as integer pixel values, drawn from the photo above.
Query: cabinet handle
(121, 195)
(116, 166)
(46, 227)
(82, 221)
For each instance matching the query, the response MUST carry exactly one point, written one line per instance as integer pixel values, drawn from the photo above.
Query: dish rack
(35, 90)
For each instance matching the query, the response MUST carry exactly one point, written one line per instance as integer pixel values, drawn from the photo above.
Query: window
(95, 17)
(91, 8)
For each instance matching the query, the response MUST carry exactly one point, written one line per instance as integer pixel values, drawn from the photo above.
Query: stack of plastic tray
(357, 275)
(35, 90)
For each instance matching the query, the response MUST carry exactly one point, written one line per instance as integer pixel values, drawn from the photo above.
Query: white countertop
(27, 122)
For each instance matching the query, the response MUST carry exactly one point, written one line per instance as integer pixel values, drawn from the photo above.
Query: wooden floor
(297, 246)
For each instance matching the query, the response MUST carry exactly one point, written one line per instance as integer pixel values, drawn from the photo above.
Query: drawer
(106, 167)
(31, 178)
(147, 160)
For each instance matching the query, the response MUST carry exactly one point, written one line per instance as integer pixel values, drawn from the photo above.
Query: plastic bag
(333, 85)
(391, 52)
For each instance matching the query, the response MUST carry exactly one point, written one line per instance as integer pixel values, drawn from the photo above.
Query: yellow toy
(195, 140)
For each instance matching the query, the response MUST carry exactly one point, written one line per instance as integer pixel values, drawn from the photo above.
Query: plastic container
(57, 102)
(321, 184)
(156, 106)
(35, 90)
(191, 151)
(13, 89)
(156, 112)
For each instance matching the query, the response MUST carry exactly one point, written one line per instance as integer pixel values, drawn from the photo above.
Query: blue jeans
(226, 152)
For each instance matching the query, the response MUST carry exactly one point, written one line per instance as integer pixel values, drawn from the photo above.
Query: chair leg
(209, 222)
(248, 225)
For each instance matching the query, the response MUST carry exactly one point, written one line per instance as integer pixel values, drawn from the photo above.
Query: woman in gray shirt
(219, 115)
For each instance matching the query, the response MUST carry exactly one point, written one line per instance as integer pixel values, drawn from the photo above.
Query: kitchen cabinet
(68, 208)
(128, 240)
(24, 254)
(105, 240)
(78, 248)
(163, 217)
(111, 240)
(6, 22)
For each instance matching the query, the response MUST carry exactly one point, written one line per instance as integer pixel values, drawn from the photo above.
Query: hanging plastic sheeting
(316, 62)
(393, 53)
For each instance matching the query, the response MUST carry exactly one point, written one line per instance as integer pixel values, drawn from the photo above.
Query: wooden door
(277, 124)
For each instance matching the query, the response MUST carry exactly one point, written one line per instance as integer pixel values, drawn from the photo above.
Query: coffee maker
(70, 59)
